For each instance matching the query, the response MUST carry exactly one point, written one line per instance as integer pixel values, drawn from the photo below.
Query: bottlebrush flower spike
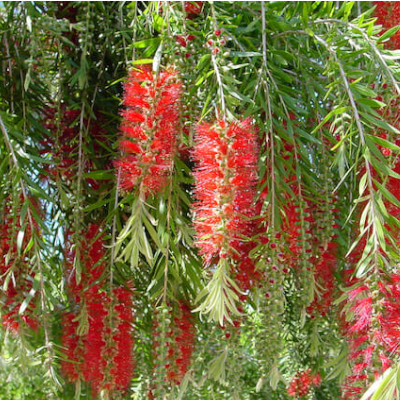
(91, 261)
(184, 340)
(95, 363)
(302, 383)
(151, 123)
(11, 262)
(225, 185)
(373, 331)
(102, 356)
(179, 341)
(388, 15)
(71, 341)
(122, 363)
(63, 131)
(193, 8)
(324, 274)
(226, 177)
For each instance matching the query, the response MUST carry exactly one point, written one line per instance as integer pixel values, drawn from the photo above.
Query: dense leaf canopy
(199, 200)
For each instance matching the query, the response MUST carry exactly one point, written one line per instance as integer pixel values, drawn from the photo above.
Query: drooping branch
(48, 343)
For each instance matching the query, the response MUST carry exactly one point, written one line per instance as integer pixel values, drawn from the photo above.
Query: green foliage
(317, 81)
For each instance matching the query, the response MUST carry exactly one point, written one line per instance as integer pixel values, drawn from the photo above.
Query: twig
(167, 246)
(362, 139)
(9, 72)
(271, 133)
(221, 89)
(370, 42)
(216, 70)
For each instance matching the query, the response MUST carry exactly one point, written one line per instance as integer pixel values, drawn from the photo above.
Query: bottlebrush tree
(199, 200)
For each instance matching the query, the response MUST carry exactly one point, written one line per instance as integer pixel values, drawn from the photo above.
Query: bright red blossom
(20, 283)
(61, 143)
(302, 383)
(181, 339)
(193, 8)
(226, 176)
(71, 342)
(102, 356)
(151, 123)
(123, 365)
(388, 15)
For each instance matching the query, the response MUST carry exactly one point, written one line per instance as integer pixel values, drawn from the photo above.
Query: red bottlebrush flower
(91, 262)
(184, 340)
(151, 122)
(193, 8)
(59, 145)
(226, 175)
(103, 357)
(122, 363)
(292, 227)
(181, 40)
(388, 15)
(324, 274)
(373, 331)
(180, 340)
(302, 383)
(94, 362)
(72, 367)
(87, 291)
(11, 262)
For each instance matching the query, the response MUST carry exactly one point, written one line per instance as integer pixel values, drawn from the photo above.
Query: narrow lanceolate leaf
(218, 299)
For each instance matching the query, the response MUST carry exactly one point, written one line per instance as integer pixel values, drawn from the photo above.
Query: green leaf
(389, 33)
(141, 44)
(371, 102)
(100, 175)
(363, 90)
(26, 301)
(216, 367)
(245, 54)
(383, 142)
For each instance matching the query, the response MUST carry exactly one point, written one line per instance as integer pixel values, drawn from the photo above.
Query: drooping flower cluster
(180, 341)
(88, 302)
(14, 274)
(373, 331)
(302, 383)
(62, 143)
(388, 15)
(73, 348)
(91, 263)
(95, 341)
(324, 268)
(226, 176)
(373, 301)
(98, 347)
(150, 126)
(324, 259)
(122, 363)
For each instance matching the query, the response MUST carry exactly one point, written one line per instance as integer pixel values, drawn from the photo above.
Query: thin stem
(221, 89)
(167, 246)
(121, 24)
(22, 90)
(270, 131)
(134, 24)
(216, 70)
(8, 56)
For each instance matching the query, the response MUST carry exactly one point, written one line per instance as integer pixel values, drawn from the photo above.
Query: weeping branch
(48, 343)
